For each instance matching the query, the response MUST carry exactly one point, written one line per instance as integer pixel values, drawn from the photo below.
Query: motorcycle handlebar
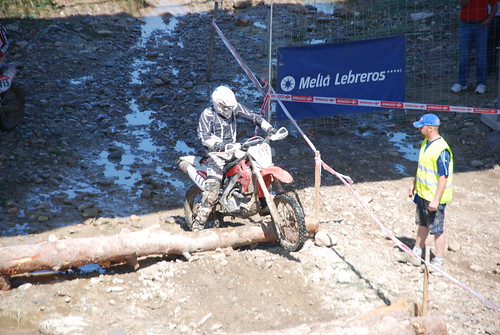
(256, 140)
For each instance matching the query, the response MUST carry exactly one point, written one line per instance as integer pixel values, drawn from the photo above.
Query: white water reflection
(400, 141)
(138, 118)
(139, 122)
(260, 25)
(81, 80)
(183, 148)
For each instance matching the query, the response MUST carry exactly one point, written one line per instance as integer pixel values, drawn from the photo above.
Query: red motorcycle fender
(278, 173)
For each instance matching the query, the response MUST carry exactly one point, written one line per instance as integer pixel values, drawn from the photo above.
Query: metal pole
(269, 64)
(212, 42)
(498, 75)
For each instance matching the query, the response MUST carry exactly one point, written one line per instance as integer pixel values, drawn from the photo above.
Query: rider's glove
(271, 131)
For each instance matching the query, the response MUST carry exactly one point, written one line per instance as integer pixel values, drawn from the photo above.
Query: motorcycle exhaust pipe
(198, 176)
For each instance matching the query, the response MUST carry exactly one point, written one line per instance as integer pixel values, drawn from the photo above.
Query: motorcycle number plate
(4, 83)
(262, 155)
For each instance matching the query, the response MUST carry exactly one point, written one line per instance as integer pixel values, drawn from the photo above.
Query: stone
(420, 16)
(453, 246)
(240, 4)
(323, 239)
(476, 163)
(242, 20)
(65, 326)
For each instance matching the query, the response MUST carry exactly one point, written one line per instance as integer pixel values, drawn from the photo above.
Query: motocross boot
(210, 195)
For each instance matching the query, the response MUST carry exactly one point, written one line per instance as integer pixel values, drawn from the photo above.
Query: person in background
(493, 43)
(474, 21)
(431, 190)
(216, 128)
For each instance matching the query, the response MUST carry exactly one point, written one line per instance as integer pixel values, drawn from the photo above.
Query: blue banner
(370, 69)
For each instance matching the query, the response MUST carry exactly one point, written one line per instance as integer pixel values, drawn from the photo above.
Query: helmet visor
(225, 111)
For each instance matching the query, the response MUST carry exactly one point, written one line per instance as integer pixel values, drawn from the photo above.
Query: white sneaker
(437, 264)
(480, 89)
(457, 88)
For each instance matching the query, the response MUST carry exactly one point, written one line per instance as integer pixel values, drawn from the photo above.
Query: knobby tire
(292, 227)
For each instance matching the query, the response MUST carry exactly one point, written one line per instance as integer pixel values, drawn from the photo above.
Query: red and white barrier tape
(382, 104)
(346, 180)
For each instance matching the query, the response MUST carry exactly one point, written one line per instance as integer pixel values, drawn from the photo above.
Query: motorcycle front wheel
(292, 228)
(192, 201)
(11, 108)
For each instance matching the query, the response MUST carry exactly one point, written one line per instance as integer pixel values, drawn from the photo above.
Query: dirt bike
(248, 184)
(11, 97)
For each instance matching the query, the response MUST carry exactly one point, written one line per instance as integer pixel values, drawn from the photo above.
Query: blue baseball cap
(427, 120)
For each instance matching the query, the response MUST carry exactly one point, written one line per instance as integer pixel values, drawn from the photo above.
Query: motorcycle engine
(239, 204)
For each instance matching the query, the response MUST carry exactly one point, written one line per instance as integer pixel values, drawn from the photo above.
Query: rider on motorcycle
(216, 128)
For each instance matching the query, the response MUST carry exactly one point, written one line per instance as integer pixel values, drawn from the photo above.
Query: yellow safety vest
(427, 171)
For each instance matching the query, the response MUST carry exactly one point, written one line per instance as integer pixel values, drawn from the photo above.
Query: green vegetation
(24, 8)
(43, 8)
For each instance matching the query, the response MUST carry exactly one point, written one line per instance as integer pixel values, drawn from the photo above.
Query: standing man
(431, 189)
(474, 22)
(216, 128)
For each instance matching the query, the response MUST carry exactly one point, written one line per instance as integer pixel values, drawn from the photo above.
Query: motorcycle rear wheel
(192, 201)
(11, 108)
(292, 227)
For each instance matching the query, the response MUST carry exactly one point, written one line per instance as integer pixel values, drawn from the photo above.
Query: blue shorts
(432, 220)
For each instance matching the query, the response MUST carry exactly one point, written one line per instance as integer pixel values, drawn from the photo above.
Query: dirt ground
(53, 185)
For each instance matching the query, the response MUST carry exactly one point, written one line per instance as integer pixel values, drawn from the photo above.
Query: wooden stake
(317, 184)
(426, 283)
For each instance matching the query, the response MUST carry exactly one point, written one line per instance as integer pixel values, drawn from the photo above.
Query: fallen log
(125, 247)
(394, 323)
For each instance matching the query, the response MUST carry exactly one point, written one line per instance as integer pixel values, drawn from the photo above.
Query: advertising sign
(370, 69)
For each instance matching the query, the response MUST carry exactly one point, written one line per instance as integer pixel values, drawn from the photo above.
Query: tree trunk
(389, 324)
(126, 247)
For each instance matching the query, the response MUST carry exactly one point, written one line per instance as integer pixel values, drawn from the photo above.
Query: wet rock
(146, 193)
(12, 210)
(106, 182)
(477, 163)
(343, 12)
(242, 20)
(158, 82)
(90, 213)
(43, 218)
(104, 33)
(311, 8)
(83, 207)
(115, 154)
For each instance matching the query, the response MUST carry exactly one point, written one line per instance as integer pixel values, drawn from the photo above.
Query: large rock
(65, 326)
(240, 4)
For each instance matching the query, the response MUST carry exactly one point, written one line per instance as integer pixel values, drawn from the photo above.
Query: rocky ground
(83, 164)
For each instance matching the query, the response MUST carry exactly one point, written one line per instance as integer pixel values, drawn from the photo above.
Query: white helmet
(224, 101)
